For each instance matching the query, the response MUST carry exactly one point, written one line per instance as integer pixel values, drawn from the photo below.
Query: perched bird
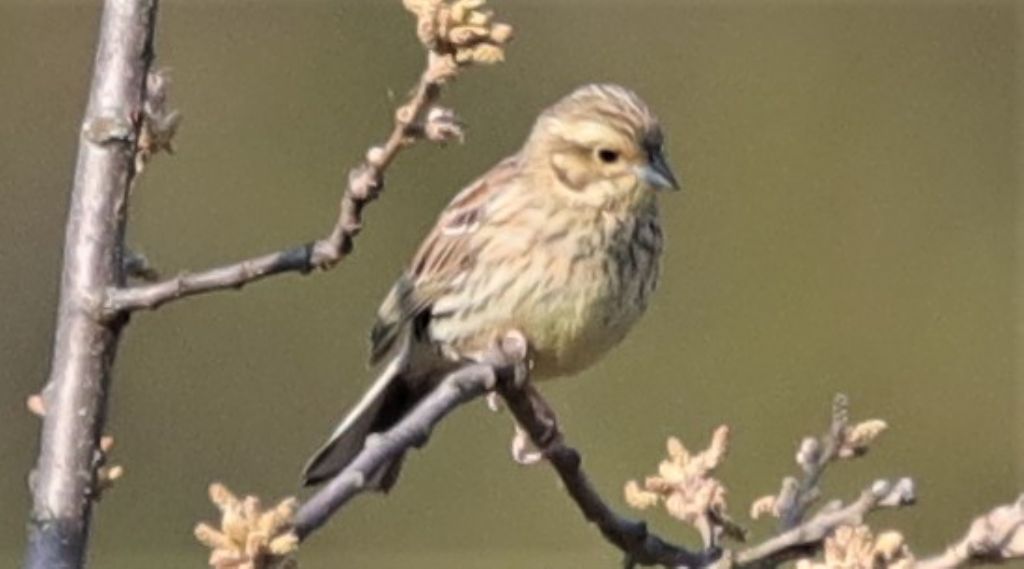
(560, 242)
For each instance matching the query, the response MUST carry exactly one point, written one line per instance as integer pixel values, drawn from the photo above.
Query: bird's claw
(494, 402)
(515, 351)
(523, 450)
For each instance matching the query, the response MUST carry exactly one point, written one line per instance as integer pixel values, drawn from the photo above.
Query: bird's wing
(446, 253)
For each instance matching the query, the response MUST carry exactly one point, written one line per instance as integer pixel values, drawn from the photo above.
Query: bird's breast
(572, 284)
(595, 285)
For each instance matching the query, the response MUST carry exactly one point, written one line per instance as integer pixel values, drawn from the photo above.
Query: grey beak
(658, 173)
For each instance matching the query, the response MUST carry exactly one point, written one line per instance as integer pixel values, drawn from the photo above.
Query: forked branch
(807, 538)
(505, 373)
(365, 183)
(453, 40)
(837, 531)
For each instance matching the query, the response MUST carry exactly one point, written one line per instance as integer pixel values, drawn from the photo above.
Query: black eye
(607, 155)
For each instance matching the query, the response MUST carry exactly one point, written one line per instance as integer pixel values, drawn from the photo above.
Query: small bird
(559, 242)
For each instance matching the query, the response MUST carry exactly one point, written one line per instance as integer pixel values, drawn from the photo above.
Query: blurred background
(849, 223)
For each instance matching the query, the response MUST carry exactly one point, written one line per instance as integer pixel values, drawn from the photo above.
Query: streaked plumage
(560, 242)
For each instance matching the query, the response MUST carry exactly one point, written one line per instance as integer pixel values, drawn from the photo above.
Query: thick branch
(806, 538)
(365, 183)
(63, 482)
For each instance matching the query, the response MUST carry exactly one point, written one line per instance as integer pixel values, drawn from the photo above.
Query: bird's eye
(607, 155)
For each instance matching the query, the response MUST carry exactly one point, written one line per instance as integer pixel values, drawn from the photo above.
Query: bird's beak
(658, 174)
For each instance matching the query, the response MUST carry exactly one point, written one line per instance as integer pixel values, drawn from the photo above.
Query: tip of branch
(463, 31)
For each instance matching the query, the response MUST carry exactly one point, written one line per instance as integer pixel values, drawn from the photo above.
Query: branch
(461, 386)
(813, 456)
(453, 38)
(365, 183)
(995, 537)
(806, 539)
(505, 373)
(64, 482)
(270, 538)
(632, 537)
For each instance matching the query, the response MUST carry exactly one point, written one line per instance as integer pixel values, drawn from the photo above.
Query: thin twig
(994, 537)
(818, 454)
(806, 538)
(365, 184)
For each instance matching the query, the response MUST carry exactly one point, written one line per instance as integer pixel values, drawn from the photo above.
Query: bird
(560, 242)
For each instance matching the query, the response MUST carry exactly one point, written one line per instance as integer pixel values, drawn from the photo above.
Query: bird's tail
(392, 395)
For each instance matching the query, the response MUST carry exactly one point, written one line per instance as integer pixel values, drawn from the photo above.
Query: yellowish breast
(574, 288)
(594, 299)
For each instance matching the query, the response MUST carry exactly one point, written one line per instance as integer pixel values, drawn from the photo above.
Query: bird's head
(603, 144)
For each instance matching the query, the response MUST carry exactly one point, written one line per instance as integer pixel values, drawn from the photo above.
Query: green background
(849, 222)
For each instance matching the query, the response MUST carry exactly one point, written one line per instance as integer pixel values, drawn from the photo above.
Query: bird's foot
(494, 402)
(523, 450)
(515, 352)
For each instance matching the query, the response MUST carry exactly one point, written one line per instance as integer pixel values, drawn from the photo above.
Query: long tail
(392, 395)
